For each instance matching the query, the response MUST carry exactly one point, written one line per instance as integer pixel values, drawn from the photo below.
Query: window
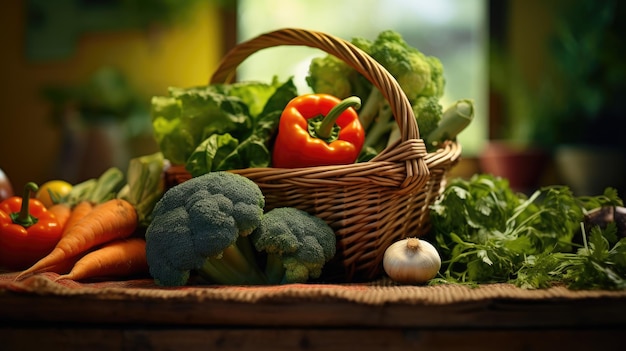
(453, 30)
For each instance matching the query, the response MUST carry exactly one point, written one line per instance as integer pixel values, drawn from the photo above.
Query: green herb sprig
(487, 233)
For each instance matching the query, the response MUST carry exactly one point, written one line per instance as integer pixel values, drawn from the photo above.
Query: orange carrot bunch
(86, 229)
(117, 258)
(99, 216)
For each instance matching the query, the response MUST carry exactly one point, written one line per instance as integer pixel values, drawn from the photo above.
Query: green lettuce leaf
(210, 154)
(245, 111)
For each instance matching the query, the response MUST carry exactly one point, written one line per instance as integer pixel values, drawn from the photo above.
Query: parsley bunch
(487, 233)
(599, 264)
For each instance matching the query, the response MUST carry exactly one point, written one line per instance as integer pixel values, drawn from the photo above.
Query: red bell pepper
(318, 130)
(28, 231)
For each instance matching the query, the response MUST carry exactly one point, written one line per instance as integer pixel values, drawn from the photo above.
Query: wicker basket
(369, 205)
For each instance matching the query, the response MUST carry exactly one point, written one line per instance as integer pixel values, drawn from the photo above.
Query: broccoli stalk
(372, 107)
(235, 266)
(376, 136)
(274, 269)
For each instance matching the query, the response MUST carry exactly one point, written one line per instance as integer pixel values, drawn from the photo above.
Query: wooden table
(39, 314)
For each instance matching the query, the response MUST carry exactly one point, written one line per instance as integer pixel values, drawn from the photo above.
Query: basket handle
(346, 51)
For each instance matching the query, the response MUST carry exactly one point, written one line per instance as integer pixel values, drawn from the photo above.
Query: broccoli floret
(417, 74)
(363, 44)
(330, 75)
(297, 245)
(428, 112)
(405, 63)
(437, 83)
(202, 224)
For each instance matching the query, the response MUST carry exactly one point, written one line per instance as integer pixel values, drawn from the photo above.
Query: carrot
(113, 219)
(75, 214)
(118, 258)
(62, 212)
(78, 212)
(64, 266)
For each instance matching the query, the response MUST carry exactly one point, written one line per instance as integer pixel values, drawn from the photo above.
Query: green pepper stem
(24, 217)
(324, 129)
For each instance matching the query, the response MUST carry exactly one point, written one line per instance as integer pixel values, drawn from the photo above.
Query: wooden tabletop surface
(41, 314)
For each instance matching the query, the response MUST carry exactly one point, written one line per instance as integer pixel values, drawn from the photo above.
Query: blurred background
(546, 76)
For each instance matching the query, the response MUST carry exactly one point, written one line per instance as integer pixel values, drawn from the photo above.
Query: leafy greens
(487, 233)
(220, 126)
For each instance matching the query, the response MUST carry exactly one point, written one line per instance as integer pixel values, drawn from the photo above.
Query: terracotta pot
(523, 166)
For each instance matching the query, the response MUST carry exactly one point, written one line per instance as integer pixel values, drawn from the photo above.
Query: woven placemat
(376, 293)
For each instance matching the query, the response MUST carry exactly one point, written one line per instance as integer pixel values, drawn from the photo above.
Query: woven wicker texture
(378, 293)
(371, 204)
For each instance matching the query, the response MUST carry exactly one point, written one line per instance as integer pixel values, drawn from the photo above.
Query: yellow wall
(183, 55)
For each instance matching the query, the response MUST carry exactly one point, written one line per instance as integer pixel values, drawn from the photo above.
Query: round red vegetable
(318, 130)
(27, 230)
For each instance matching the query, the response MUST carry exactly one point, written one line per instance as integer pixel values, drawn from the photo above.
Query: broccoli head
(330, 75)
(200, 221)
(297, 245)
(405, 63)
(416, 73)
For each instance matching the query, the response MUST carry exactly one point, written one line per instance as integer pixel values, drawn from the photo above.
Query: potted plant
(99, 119)
(574, 114)
(579, 105)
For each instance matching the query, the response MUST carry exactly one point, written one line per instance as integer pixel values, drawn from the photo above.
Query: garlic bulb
(411, 261)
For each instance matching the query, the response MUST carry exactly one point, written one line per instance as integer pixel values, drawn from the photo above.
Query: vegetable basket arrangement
(250, 188)
(370, 204)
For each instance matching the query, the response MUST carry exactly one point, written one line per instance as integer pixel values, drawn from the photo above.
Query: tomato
(6, 189)
(58, 188)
